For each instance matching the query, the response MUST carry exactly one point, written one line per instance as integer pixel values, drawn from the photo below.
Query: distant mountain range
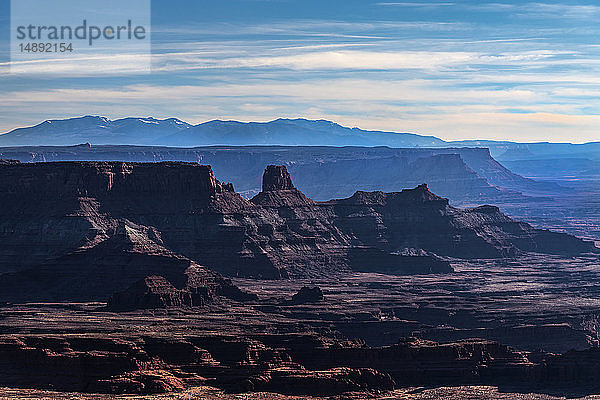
(173, 132)
(332, 161)
(95, 130)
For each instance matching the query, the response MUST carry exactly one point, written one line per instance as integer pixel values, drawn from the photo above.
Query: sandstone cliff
(417, 218)
(290, 364)
(465, 175)
(109, 224)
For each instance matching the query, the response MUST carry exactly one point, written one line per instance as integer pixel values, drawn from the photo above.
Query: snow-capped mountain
(95, 130)
(173, 132)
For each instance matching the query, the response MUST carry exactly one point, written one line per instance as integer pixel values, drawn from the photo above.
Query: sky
(507, 70)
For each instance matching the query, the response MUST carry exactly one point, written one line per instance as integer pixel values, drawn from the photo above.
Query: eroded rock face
(555, 338)
(203, 287)
(334, 381)
(68, 229)
(146, 364)
(468, 175)
(49, 210)
(276, 177)
(279, 193)
(83, 364)
(405, 262)
(289, 364)
(417, 218)
(150, 292)
(420, 362)
(574, 367)
(98, 179)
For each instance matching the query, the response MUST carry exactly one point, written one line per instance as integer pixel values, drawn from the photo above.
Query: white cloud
(451, 79)
(542, 10)
(420, 106)
(413, 4)
(363, 60)
(90, 65)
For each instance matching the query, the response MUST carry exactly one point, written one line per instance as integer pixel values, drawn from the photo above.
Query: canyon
(156, 278)
(468, 177)
(94, 216)
(323, 173)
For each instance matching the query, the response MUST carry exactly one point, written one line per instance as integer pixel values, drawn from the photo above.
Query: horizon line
(267, 121)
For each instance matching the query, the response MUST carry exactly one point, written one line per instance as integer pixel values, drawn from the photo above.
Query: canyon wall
(123, 219)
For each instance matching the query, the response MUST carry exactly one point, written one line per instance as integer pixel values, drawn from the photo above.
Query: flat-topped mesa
(97, 179)
(276, 177)
(419, 195)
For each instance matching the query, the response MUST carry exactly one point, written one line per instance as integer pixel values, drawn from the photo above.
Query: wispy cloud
(524, 71)
(413, 4)
(82, 66)
(327, 60)
(542, 10)
(419, 106)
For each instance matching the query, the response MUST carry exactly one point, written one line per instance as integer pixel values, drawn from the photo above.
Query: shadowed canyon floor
(476, 300)
(208, 393)
(541, 305)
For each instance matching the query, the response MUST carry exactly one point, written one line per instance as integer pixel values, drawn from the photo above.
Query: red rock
(150, 292)
(70, 228)
(308, 294)
(139, 382)
(324, 383)
(276, 177)
(202, 288)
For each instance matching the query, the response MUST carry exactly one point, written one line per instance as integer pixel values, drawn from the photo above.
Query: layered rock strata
(84, 230)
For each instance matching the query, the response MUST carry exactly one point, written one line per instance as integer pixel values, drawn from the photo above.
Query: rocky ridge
(293, 364)
(100, 226)
(465, 175)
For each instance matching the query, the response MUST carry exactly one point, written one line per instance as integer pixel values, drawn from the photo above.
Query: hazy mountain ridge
(174, 132)
(147, 131)
(93, 129)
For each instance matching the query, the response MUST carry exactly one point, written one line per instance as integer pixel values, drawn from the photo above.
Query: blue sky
(517, 70)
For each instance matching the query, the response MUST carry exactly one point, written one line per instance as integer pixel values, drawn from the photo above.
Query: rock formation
(417, 218)
(146, 365)
(465, 175)
(574, 367)
(420, 362)
(203, 287)
(280, 193)
(89, 229)
(276, 177)
(308, 294)
(294, 364)
(150, 292)
(124, 254)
